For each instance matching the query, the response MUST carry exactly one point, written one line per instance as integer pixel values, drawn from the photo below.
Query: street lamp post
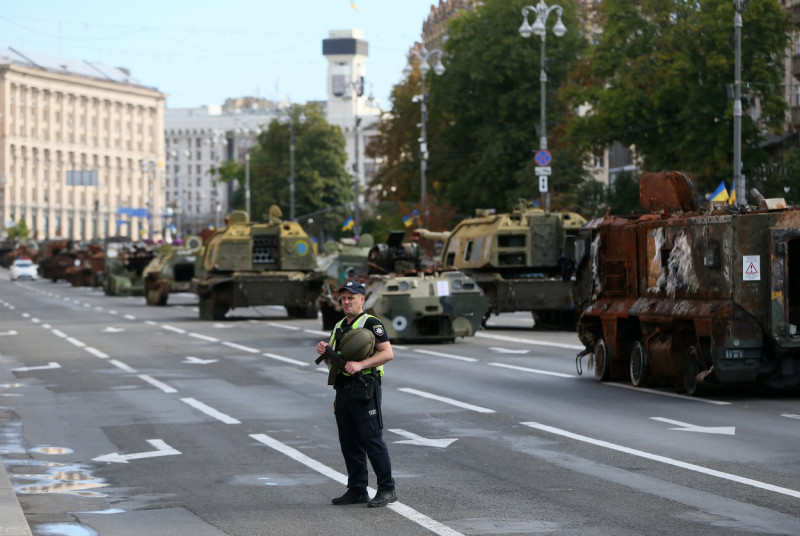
(424, 56)
(539, 28)
(247, 183)
(738, 178)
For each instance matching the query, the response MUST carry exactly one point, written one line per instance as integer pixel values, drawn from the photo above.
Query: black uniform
(360, 434)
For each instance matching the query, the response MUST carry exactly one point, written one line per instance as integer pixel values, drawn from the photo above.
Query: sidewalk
(12, 520)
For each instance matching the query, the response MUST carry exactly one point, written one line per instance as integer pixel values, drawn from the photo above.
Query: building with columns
(81, 149)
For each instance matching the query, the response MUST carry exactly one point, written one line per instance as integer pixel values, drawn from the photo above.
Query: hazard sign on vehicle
(751, 268)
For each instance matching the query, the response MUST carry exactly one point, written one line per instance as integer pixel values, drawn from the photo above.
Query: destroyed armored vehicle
(690, 297)
(414, 301)
(171, 270)
(87, 266)
(124, 265)
(522, 260)
(248, 264)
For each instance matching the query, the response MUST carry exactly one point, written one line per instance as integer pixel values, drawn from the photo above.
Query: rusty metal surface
(711, 284)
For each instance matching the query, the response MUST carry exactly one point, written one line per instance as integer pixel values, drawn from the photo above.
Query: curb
(12, 520)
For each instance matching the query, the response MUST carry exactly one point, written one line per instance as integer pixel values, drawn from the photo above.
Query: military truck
(248, 264)
(688, 296)
(124, 265)
(522, 260)
(415, 302)
(171, 270)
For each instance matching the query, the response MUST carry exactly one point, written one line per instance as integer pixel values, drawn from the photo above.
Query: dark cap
(355, 287)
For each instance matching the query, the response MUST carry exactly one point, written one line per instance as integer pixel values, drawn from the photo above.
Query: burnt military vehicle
(171, 270)
(522, 260)
(690, 297)
(248, 264)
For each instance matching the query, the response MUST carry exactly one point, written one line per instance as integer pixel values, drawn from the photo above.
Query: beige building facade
(81, 149)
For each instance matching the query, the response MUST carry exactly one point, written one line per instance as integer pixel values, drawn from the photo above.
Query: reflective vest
(359, 323)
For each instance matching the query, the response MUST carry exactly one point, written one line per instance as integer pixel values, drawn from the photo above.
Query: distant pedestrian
(359, 419)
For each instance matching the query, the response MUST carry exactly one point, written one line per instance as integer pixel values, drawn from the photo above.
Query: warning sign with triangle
(751, 268)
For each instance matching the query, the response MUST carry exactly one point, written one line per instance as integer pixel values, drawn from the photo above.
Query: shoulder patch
(378, 329)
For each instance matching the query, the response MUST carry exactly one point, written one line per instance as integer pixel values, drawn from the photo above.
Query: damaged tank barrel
(688, 296)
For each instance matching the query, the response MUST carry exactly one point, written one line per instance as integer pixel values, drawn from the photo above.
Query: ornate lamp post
(539, 28)
(425, 58)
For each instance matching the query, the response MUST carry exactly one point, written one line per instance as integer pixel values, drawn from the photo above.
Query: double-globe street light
(425, 57)
(539, 28)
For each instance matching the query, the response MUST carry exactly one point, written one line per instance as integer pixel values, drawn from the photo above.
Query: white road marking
(402, 509)
(448, 356)
(76, 342)
(162, 449)
(203, 337)
(172, 328)
(686, 427)
(446, 400)
(790, 415)
(95, 352)
(159, 384)
(667, 394)
(240, 347)
(59, 333)
(532, 370)
(414, 439)
(191, 360)
(534, 342)
(665, 460)
(318, 332)
(284, 326)
(286, 359)
(129, 317)
(211, 412)
(123, 366)
(50, 365)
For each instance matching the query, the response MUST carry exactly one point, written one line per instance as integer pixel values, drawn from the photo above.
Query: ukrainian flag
(721, 193)
(411, 219)
(732, 198)
(348, 224)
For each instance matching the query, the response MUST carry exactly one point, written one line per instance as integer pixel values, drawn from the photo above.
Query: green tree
(483, 115)
(20, 230)
(659, 79)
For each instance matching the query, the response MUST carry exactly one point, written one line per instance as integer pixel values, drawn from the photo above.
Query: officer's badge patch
(378, 330)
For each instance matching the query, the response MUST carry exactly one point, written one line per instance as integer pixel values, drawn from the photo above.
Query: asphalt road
(122, 419)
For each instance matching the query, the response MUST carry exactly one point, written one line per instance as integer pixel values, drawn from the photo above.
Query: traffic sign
(542, 157)
(543, 183)
(543, 171)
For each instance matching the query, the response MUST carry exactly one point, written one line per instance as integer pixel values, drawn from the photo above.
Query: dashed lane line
(211, 412)
(446, 400)
(532, 370)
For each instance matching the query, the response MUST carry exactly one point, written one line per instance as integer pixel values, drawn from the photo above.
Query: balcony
(796, 117)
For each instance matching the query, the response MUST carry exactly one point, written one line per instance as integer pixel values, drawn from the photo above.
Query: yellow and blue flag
(348, 224)
(411, 219)
(721, 193)
(732, 198)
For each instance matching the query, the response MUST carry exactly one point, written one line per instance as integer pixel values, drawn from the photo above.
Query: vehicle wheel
(602, 370)
(691, 368)
(212, 309)
(638, 364)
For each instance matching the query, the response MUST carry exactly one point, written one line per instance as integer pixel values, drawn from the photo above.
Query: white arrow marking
(162, 449)
(197, 361)
(506, 350)
(51, 365)
(686, 427)
(113, 330)
(790, 415)
(414, 439)
(12, 332)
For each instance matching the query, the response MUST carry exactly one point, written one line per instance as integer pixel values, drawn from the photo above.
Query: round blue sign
(542, 157)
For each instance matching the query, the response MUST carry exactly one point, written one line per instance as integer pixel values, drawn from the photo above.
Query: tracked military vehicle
(522, 260)
(248, 264)
(415, 302)
(124, 264)
(171, 270)
(690, 297)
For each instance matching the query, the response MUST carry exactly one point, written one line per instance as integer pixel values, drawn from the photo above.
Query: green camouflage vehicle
(249, 264)
(523, 260)
(124, 264)
(171, 270)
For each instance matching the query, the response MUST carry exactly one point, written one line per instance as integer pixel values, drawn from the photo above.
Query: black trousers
(361, 437)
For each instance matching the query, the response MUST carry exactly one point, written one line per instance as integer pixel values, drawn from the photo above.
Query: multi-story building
(348, 108)
(81, 149)
(198, 140)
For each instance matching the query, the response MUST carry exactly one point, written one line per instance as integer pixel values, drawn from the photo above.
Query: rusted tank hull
(548, 299)
(694, 296)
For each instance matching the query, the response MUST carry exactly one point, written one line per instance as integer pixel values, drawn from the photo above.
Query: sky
(202, 53)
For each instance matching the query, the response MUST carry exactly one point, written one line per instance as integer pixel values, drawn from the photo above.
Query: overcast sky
(201, 53)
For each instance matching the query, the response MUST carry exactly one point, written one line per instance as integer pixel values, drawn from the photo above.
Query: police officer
(359, 422)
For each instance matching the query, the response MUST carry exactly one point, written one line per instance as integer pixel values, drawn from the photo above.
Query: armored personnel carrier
(171, 270)
(248, 264)
(124, 264)
(415, 302)
(522, 260)
(690, 297)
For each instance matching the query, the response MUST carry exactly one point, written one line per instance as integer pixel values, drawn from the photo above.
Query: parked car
(24, 269)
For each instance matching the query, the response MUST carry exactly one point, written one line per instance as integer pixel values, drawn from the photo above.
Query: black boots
(383, 497)
(352, 496)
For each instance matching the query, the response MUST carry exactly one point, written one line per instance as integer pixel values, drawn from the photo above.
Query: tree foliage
(18, 231)
(483, 115)
(659, 79)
